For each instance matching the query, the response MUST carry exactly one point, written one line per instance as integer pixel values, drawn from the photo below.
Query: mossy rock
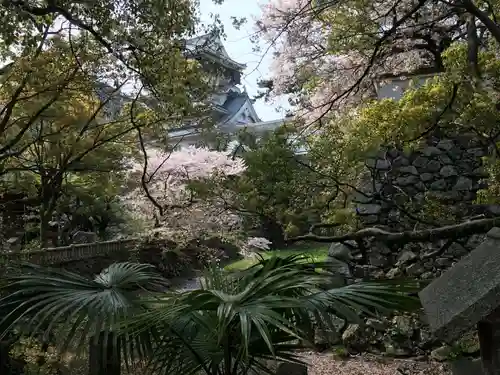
(340, 352)
(468, 344)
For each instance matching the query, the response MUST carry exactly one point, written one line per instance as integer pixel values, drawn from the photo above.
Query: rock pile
(445, 169)
(400, 336)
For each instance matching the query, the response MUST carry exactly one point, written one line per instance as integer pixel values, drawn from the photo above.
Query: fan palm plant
(232, 325)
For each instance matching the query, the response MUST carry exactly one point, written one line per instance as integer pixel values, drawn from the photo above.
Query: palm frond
(232, 325)
(41, 300)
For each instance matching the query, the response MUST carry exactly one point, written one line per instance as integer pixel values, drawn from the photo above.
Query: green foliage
(315, 254)
(340, 352)
(432, 210)
(491, 195)
(456, 101)
(38, 360)
(277, 192)
(233, 323)
(275, 184)
(67, 128)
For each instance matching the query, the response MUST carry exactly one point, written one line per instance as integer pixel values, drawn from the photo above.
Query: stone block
(400, 161)
(339, 251)
(410, 169)
(393, 273)
(370, 219)
(420, 186)
(338, 259)
(81, 237)
(407, 181)
(463, 184)
(380, 164)
(476, 152)
(448, 171)
(479, 172)
(406, 256)
(433, 166)
(368, 209)
(438, 185)
(466, 293)
(445, 159)
(445, 144)
(425, 177)
(442, 353)
(378, 260)
(403, 325)
(466, 366)
(383, 165)
(420, 162)
(431, 151)
(377, 325)
(286, 368)
(360, 197)
(415, 270)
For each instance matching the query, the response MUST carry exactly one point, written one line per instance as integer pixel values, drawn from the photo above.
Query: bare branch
(426, 235)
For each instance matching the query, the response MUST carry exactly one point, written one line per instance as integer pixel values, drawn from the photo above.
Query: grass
(317, 253)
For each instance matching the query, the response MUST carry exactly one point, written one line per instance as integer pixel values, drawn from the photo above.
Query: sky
(239, 47)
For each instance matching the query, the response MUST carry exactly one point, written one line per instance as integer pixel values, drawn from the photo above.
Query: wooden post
(489, 343)
(4, 358)
(104, 360)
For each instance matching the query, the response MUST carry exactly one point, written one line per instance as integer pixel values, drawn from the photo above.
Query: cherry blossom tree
(327, 56)
(162, 194)
(328, 52)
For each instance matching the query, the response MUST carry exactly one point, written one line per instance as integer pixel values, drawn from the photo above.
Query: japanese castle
(232, 109)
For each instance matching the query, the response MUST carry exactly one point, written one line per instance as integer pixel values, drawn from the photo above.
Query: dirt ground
(328, 364)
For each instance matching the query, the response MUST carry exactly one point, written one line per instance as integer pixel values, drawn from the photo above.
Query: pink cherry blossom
(167, 180)
(317, 71)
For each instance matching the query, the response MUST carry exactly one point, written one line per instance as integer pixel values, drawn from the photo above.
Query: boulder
(355, 337)
(84, 237)
(442, 353)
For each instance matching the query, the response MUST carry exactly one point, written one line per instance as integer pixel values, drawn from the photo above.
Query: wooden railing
(70, 253)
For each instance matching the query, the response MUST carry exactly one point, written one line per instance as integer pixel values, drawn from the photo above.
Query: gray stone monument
(468, 296)
(291, 369)
(339, 256)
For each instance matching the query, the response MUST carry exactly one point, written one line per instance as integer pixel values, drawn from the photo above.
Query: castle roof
(210, 46)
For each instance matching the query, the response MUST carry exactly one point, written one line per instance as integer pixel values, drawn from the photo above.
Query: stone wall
(87, 259)
(443, 170)
(170, 259)
(70, 253)
(433, 185)
(401, 335)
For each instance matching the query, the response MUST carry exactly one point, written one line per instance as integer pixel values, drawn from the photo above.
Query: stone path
(184, 285)
(327, 364)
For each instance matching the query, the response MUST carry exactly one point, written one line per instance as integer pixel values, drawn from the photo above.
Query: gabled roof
(210, 45)
(236, 103)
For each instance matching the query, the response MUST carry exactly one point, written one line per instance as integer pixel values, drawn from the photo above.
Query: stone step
(466, 366)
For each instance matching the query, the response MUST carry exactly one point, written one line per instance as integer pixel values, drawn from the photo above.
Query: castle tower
(231, 106)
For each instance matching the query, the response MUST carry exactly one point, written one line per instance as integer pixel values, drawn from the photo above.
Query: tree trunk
(104, 357)
(50, 191)
(44, 227)
(273, 231)
(489, 342)
(4, 358)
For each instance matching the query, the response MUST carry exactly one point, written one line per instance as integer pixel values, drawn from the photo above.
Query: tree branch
(427, 235)
(482, 16)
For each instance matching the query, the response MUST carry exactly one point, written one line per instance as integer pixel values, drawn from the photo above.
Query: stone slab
(467, 293)
(466, 366)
